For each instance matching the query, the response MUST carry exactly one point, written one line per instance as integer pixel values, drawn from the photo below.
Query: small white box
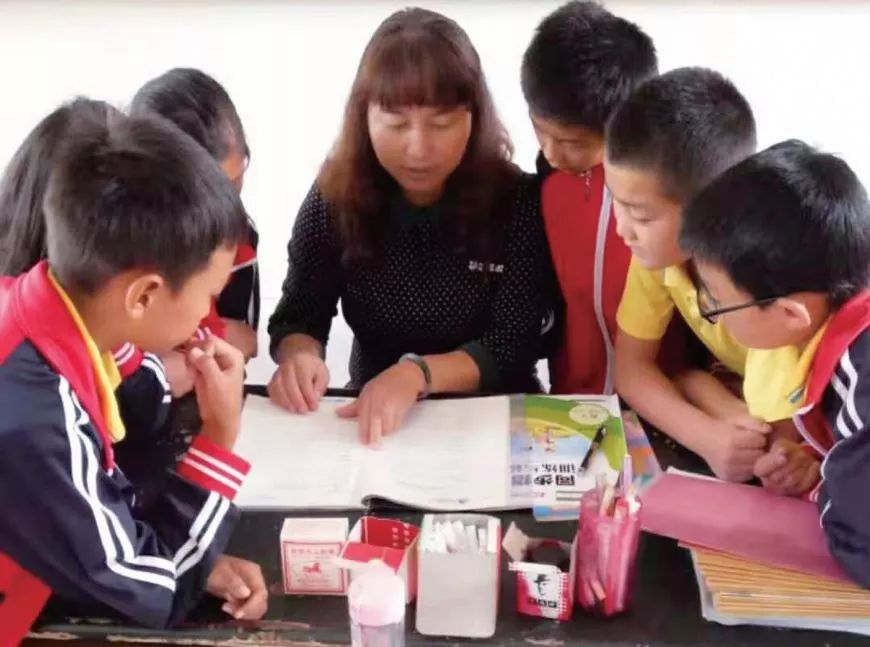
(457, 593)
(308, 548)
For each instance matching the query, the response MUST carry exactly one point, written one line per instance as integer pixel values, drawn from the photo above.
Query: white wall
(288, 66)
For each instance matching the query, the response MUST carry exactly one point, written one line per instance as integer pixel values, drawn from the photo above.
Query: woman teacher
(424, 230)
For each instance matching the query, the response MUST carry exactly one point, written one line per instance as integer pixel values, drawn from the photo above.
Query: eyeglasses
(712, 313)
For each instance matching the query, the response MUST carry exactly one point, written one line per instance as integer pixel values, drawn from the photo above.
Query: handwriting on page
(450, 454)
(308, 460)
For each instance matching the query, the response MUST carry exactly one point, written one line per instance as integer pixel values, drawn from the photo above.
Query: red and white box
(389, 540)
(309, 547)
(543, 590)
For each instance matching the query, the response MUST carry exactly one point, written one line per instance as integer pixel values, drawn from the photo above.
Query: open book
(449, 455)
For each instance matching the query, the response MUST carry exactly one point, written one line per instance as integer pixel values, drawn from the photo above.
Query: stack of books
(759, 558)
(736, 591)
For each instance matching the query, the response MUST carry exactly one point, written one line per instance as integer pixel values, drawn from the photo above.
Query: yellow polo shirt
(775, 381)
(648, 304)
(105, 370)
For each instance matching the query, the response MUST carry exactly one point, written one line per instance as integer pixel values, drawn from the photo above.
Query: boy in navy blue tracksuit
(142, 230)
(782, 246)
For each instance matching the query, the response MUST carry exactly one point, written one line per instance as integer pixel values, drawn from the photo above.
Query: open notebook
(449, 455)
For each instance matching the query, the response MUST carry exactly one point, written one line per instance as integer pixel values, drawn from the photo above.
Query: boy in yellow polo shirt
(782, 246)
(673, 135)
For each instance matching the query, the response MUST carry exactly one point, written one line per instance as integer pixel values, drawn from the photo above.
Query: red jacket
(835, 421)
(591, 263)
(845, 327)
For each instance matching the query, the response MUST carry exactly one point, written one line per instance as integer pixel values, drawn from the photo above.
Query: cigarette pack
(544, 590)
(309, 547)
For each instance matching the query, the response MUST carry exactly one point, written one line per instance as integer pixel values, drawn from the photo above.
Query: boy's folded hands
(787, 468)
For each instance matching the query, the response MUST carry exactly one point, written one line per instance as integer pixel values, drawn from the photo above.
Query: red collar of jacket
(843, 329)
(31, 308)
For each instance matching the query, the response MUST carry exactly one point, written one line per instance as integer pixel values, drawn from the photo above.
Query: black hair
(685, 126)
(788, 219)
(24, 182)
(583, 62)
(198, 105)
(136, 192)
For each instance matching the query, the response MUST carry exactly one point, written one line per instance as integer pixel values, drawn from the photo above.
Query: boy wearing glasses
(782, 248)
(668, 140)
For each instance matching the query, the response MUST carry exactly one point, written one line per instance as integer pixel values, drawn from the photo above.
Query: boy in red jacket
(582, 62)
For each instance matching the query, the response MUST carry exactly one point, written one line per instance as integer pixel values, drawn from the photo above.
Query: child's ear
(142, 293)
(797, 315)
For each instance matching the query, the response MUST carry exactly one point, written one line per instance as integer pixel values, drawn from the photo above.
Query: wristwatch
(427, 374)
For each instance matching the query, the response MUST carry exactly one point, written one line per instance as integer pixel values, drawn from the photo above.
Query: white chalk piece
(471, 534)
(481, 539)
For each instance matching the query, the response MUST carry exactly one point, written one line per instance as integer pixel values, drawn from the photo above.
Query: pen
(596, 443)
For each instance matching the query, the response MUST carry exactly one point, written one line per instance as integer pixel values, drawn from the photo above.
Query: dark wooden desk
(665, 611)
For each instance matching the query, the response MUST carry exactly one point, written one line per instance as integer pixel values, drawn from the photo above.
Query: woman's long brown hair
(418, 58)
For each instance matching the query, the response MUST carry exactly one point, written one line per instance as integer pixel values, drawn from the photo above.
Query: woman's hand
(299, 382)
(385, 401)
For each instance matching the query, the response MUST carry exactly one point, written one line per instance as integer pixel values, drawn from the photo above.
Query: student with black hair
(143, 395)
(22, 188)
(202, 108)
(781, 243)
(668, 140)
(141, 230)
(581, 64)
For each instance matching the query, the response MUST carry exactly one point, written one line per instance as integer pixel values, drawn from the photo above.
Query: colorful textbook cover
(553, 460)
